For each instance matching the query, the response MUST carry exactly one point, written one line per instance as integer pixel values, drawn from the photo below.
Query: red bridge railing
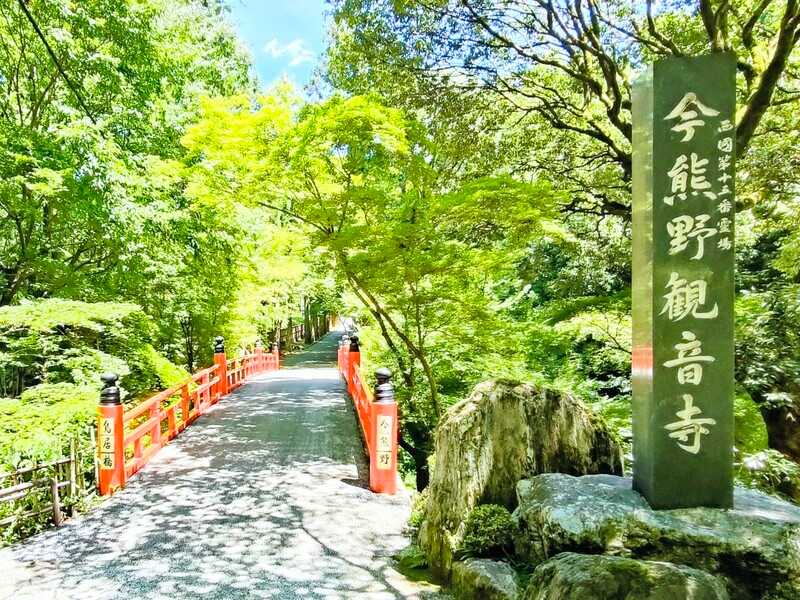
(377, 414)
(127, 440)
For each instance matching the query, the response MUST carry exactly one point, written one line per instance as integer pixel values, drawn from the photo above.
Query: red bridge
(250, 480)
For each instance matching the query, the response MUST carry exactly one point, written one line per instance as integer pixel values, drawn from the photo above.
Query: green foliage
(488, 532)
(38, 426)
(52, 341)
(411, 559)
(750, 431)
(83, 366)
(418, 505)
(55, 313)
(767, 344)
(86, 189)
(563, 299)
(167, 373)
(771, 472)
(57, 350)
(150, 370)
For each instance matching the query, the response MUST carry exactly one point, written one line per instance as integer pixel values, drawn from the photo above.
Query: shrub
(167, 373)
(83, 367)
(38, 426)
(488, 532)
(411, 559)
(55, 341)
(150, 370)
(52, 353)
(770, 471)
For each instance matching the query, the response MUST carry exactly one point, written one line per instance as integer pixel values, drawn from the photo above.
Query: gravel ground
(264, 497)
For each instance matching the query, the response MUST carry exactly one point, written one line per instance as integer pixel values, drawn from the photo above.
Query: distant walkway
(264, 497)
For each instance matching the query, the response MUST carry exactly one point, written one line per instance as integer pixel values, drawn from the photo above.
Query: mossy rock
(750, 428)
(505, 431)
(484, 579)
(755, 547)
(571, 576)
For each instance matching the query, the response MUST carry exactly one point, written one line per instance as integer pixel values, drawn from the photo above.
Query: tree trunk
(308, 334)
(783, 429)
(290, 337)
(416, 439)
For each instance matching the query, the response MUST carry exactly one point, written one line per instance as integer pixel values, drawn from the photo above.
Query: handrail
(200, 389)
(127, 440)
(378, 420)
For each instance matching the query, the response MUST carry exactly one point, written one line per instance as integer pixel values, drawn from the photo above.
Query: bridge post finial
(384, 390)
(354, 344)
(110, 436)
(110, 393)
(219, 345)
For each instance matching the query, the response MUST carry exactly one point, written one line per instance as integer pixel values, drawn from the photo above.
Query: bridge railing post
(259, 360)
(110, 437)
(222, 366)
(383, 424)
(353, 362)
(276, 356)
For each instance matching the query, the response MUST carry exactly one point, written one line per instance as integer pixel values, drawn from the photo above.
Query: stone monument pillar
(683, 214)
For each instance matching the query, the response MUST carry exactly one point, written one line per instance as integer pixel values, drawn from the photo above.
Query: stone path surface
(263, 497)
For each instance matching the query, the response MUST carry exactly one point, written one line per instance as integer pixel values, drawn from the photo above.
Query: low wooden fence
(377, 414)
(127, 440)
(45, 490)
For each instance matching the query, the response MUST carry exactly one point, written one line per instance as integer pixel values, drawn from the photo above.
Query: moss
(418, 509)
(574, 577)
(411, 558)
(412, 563)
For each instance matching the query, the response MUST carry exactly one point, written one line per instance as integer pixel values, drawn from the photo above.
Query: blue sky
(285, 37)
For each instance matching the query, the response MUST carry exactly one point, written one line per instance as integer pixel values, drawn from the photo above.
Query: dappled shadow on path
(251, 502)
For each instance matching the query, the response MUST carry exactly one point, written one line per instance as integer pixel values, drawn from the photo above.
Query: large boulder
(755, 546)
(484, 579)
(580, 577)
(501, 433)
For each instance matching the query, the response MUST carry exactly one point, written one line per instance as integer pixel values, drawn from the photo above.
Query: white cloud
(296, 51)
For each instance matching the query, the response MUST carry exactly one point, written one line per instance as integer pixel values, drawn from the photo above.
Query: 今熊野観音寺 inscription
(683, 203)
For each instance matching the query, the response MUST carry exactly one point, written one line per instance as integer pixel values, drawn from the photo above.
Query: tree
(93, 98)
(359, 178)
(566, 69)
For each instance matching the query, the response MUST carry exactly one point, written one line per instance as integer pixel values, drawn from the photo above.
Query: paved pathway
(264, 497)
